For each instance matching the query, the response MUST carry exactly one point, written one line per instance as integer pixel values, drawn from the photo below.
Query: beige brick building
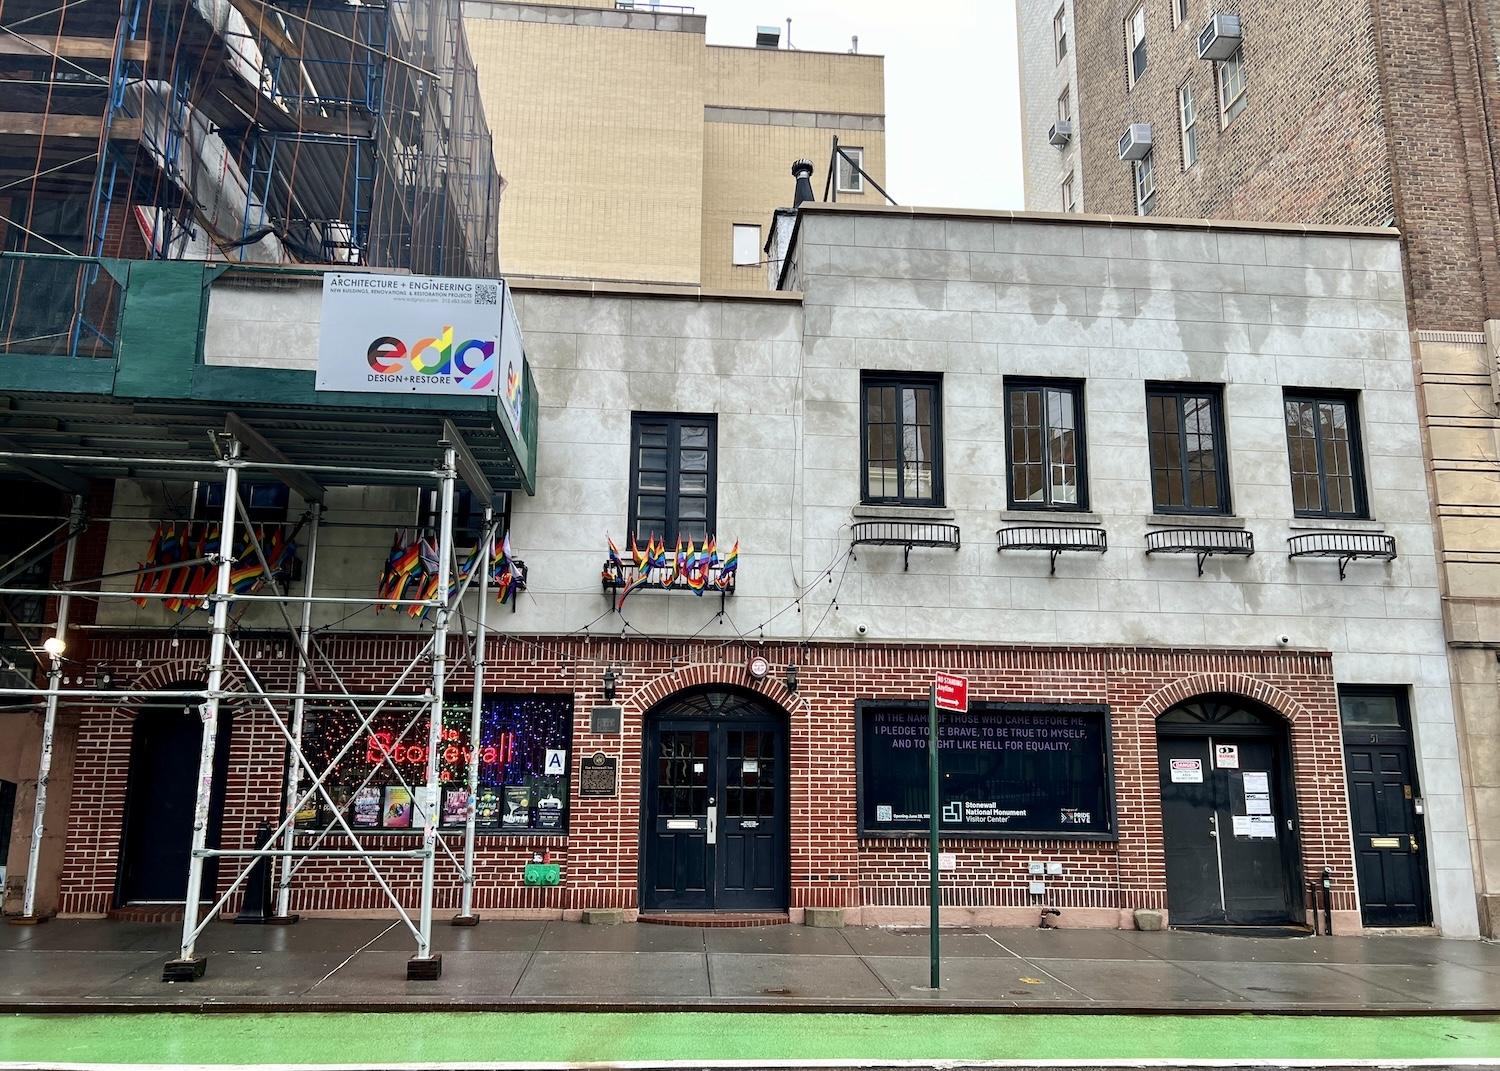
(633, 149)
(1342, 112)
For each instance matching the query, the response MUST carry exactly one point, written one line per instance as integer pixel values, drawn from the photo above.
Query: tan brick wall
(747, 175)
(794, 81)
(599, 133)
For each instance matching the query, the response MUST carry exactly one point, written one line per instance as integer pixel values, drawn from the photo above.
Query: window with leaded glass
(902, 445)
(1322, 440)
(673, 483)
(1044, 444)
(1185, 431)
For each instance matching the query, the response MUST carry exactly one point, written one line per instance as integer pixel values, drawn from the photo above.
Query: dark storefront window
(524, 764)
(1006, 771)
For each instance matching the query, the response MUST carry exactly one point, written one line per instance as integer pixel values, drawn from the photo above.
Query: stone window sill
(1334, 524)
(902, 513)
(1051, 516)
(1193, 520)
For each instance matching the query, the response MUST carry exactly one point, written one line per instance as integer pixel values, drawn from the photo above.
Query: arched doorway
(715, 834)
(1229, 823)
(160, 796)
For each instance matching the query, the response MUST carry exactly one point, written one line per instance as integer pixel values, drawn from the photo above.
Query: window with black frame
(673, 477)
(902, 444)
(1185, 431)
(1044, 444)
(1323, 448)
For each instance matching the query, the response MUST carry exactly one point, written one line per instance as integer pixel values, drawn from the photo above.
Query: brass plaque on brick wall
(599, 776)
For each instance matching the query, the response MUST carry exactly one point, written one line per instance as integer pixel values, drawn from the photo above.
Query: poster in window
(307, 814)
(397, 808)
(1006, 771)
(518, 734)
(517, 807)
(366, 808)
(455, 806)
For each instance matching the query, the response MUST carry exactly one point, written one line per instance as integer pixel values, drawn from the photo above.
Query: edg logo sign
(471, 362)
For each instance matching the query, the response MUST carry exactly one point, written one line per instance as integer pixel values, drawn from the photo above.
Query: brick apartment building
(1360, 112)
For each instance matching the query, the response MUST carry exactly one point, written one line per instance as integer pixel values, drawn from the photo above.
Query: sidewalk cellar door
(715, 808)
(1228, 820)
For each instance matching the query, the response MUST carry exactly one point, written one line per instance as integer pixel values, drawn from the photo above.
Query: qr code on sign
(486, 294)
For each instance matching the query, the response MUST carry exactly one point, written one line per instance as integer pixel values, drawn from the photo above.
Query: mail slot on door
(1385, 842)
(682, 823)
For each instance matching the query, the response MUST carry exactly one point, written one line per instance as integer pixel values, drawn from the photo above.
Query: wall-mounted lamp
(54, 646)
(791, 677)
(611, 678)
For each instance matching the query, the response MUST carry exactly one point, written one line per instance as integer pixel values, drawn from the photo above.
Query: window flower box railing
(1055, 539)
(904, 534)
(1201, 542)
(1344, 546)
(655, 568)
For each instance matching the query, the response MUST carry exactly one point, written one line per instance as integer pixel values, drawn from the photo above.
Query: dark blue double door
(715, 812)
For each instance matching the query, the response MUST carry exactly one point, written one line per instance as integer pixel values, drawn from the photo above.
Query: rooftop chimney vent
(768, 37)
(802, 171)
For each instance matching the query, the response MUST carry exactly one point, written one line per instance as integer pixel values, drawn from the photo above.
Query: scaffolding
(342, 132)
(240, 448)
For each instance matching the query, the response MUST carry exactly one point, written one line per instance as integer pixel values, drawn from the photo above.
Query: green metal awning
(153, 398)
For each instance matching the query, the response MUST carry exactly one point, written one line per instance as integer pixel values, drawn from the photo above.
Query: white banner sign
(414, 334)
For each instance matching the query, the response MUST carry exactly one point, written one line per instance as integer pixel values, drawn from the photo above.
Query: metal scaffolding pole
(466, 916)
(299, 705)
(54, 650)
(188, 967)
(425, 966)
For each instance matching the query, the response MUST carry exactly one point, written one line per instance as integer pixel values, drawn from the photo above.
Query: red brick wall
(830, 865)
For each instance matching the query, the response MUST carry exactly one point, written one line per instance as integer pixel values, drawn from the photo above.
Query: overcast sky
(952, 135)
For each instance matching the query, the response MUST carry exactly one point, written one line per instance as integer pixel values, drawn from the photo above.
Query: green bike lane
(384, 1038)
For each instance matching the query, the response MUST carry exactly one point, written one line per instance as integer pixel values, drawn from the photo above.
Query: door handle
(1213, 825)
(713, 824)
(1412, 839)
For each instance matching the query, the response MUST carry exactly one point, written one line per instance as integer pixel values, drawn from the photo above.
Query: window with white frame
(1231, 74)
(1060, 33)
(1179, 12)
(1187, 111)
(746, 244)
(1069, 193)
(1065, 105)
(849, 164)
(1145, 185)
(1135, 43)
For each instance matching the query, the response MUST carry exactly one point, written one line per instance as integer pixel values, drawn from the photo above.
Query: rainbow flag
(728, 566)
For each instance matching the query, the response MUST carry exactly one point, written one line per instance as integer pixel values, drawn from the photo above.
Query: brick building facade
(1363, 112)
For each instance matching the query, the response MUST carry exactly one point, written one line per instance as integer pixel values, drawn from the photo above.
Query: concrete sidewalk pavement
(339, 964)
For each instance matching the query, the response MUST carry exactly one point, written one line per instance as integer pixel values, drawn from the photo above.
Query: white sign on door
(1187, 771)
(557, 760)
(1226, 756)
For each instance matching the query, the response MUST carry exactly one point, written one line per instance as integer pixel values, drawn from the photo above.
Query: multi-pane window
(672, 477)
(848, 170)
(1322, 439)
(264, 502)
(1060, 33)
(1185, 430)
(1069, 193)
(1065, 105)
(902, 444)
(746, 244)
(1231, 74)
(1145, 185)
(1044, 444)
(1179, 12)
(1135, 42)
(468, 514)
(1187, 112)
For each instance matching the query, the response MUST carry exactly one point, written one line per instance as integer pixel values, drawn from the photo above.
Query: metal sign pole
(187, 967)
(425, 966)
(466, 916)
(299, 706)
(49, 721)
(934, 806)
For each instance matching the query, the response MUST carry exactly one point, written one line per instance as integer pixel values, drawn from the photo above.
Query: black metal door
(1226, 831)
(1388, 838)
(159, 801)
(715, 810)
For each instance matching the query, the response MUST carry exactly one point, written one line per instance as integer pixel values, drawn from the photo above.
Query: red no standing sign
(951, 692)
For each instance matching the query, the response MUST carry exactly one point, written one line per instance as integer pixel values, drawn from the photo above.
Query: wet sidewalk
(325, 964)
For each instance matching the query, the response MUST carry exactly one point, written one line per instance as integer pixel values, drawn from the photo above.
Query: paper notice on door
(1257, 781)
(1262, 827)
(1242, 825)
(1226, 756)
(1257, 803)
(1187, 771)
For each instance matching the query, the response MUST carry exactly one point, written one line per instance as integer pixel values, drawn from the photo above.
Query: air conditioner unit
(1060, 133)
(1220, 37)
(1135, 143)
